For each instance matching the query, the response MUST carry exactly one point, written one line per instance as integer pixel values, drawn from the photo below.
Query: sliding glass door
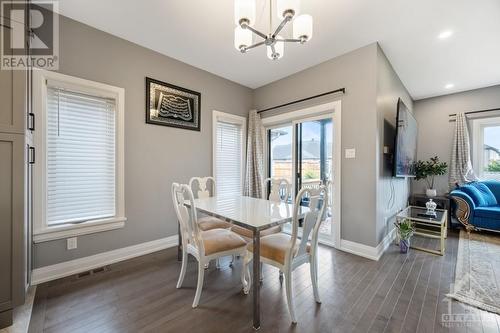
(314, 161)
(302, 153)
(314, 157)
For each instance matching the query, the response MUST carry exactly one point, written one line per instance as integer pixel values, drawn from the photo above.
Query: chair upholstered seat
(274, 247)
(248, 235)
(221, 240)
(210, 222)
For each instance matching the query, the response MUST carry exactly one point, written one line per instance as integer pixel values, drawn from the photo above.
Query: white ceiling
(200, 33)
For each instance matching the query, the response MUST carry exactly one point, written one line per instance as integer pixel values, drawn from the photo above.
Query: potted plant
(428, 170)
(406, 229)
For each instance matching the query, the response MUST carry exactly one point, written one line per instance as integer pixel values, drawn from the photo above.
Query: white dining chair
(202, 245)
(287, 252)
(199, 187)
(279, 189)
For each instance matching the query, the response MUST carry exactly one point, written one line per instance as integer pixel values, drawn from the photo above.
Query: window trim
(478, 126)
(234, 119)
(41, 231)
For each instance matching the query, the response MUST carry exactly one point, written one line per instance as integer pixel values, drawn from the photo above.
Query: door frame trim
(334, 108)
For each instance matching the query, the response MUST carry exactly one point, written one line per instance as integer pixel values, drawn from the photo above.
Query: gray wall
(155, 156)
(392, 193)
(356, 71)
(436, 131)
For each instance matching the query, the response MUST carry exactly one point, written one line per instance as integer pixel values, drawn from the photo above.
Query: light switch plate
(350, 153)
(71, 243)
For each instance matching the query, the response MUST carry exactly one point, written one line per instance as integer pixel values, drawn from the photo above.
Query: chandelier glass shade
(242, 37)
(303, 27)
(279, 51)
(287, 7)
(244, 10)
(287, 11)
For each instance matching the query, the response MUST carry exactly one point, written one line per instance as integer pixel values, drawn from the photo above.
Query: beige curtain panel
(254, 177)
(461, 166)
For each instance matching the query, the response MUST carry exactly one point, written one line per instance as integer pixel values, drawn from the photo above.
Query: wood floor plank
(396, 320)
(414, 310)
(378, 300)
(428, 314)
(385, 311)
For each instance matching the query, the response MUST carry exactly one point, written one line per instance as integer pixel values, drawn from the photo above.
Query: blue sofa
(477, 205)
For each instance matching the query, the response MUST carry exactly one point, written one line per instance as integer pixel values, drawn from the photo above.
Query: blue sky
(492, 136)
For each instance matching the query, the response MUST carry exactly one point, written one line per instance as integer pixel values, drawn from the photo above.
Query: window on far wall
(79, 172)
(229, 153)
(486, 147)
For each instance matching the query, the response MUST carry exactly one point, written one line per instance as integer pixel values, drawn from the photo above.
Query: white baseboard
(67, 268)
(386, 242)
(370, 252)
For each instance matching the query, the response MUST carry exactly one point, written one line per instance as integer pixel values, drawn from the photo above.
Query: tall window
(80, 156)
(229, 143)
(486, 147)
(79, 168)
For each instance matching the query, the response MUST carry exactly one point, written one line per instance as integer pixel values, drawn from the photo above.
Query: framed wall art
(170, 105)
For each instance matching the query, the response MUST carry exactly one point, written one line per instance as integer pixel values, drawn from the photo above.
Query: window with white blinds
(229, 157)
(80, 154)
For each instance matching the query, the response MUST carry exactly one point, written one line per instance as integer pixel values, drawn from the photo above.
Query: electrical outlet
(350, 153)
(71, 243)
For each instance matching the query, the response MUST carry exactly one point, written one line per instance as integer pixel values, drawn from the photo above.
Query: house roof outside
(488, 147)
(310, 151)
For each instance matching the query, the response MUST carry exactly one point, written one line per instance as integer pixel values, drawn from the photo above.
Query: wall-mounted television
(405, 146)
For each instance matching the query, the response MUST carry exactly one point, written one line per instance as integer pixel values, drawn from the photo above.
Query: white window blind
(229, 156)
(80, 157)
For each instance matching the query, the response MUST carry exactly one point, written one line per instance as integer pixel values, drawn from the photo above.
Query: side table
(442, 201)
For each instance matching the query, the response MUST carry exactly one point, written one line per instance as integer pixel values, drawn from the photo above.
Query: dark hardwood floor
(399, 293)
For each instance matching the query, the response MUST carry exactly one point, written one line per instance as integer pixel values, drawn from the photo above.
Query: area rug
(477, 275)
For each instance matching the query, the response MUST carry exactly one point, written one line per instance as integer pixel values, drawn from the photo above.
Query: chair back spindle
(199, 187)
(190, 233)
(279, 189)
(317, 202)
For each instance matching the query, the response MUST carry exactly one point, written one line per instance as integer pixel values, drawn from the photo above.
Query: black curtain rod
(342, 90)
(478, 111)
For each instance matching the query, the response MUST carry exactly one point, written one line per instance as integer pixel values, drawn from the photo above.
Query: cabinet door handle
(32, 155)
(31, 121)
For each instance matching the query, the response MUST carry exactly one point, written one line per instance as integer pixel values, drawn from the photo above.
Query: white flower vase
(431, 192)
(404, 245)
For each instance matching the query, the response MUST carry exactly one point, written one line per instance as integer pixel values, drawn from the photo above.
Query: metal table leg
(256, 279)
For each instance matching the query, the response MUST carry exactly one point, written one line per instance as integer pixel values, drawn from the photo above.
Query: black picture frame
(173, 106)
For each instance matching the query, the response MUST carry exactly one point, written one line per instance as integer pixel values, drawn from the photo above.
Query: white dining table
(255, 215)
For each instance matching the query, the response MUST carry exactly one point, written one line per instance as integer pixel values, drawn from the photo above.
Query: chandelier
(287, 11)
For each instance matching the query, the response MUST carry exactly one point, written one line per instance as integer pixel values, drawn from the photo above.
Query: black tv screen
(405, 148)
